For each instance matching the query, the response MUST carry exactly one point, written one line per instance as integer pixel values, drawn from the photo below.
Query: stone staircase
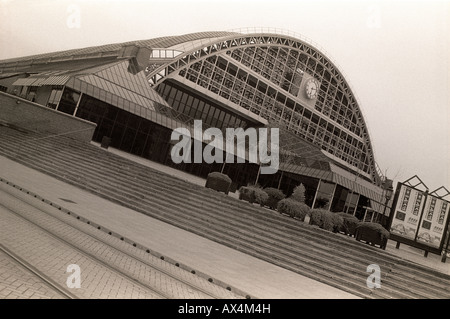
(334, 259)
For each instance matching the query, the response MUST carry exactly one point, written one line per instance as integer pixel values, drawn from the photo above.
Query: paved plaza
(256, 278)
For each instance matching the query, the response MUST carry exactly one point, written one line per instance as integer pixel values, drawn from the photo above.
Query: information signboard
(419, 218)
(432, 226)
(405, 222)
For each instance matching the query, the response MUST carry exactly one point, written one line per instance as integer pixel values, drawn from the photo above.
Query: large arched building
(138, 92)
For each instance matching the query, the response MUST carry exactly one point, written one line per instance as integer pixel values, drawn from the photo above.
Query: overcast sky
(395, 54)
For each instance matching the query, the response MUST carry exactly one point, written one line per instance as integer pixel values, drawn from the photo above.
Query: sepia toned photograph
(247, 152)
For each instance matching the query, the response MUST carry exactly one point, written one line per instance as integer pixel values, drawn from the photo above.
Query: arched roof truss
(312, 60)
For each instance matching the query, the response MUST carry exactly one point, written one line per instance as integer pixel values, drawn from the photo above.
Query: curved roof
(198, 48)
(195, 47)
(104, 50)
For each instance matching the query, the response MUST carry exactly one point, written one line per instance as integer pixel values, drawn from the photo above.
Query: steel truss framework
(335, 122)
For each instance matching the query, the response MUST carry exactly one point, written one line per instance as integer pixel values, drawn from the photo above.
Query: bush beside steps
(219, 182)
(326, 220)
(293, 208)
(350, 223)
(253, 194)
(274, 196)
(372, 233)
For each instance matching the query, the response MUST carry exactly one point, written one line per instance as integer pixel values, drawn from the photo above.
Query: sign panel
(432, 226)
(419, 219)
(405, 222)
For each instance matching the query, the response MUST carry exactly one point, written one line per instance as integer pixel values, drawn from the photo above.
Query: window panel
(190, 100)
(226, 119)
(184, 98)
(192, 112)
(206, 108)
(199, 108)
(178, 95)
(221, 116)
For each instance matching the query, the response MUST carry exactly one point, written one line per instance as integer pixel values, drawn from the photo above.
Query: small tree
(299, 193)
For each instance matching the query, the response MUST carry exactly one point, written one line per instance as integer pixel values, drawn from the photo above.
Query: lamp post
(388, 196)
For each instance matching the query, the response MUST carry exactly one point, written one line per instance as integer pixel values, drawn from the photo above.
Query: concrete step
(253, 225)
(65, 156)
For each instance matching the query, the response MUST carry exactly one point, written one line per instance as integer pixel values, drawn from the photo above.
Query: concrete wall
(34, 117)
(9, 81)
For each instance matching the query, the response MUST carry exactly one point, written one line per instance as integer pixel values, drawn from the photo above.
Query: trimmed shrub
(260, 195)
(219, 176)
(274, 196)
(299, 193)
(246, 193)
(326, 220)
(376, 227)
(372, 233)
(350, 223)
(293, 208)
(218, 181)
(253, 194)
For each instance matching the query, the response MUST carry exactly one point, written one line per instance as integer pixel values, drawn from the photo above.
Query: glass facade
(269, 81)
(235, 81)
(134, 134)
(128, 132)
(362, 204)
(55, 97)
(266, 75)
(351, 202)
(340, 199)
(273, 97)
(198, 108)
(324, 195)
(68, 101)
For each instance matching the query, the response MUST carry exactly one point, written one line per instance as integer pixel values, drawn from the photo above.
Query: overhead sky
(395, 54)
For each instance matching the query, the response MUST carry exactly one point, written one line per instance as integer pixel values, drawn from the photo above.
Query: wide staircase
(334, 259)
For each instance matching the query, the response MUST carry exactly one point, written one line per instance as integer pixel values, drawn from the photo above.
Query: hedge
(260, 196)
(219, 176)
(253, 194)
(350, 223)
(326, 220)
(274, 196)
(383, 232)
(293, 208)
(218, 181)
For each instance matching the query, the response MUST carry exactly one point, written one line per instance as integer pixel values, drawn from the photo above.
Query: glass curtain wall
(351, 202)
(68, 101)
(128, 132)
(55, 97)
(198, 108)
(324, 195)
(339, 199)
(335, 130)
